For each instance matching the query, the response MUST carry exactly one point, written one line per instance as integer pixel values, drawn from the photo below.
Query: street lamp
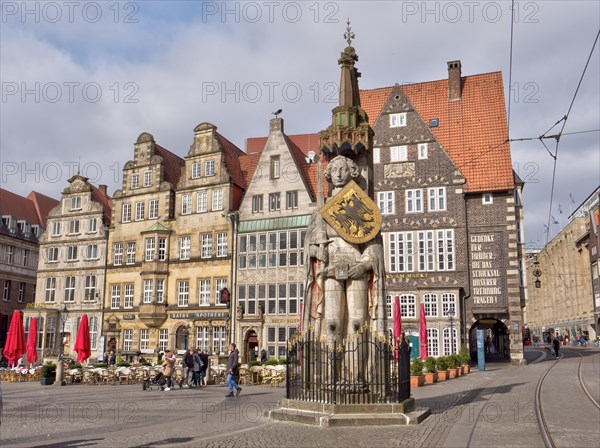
(60, 367)
(537, 273)
(450, 314)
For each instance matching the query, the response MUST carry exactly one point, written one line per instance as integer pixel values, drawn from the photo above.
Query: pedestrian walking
(113, 358)
(204, 367)
(263, 356)
(555, 344)
(233, 371)
(169, 368)
(196, 369)
(187, 364)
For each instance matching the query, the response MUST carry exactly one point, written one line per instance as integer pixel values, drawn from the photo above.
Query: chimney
(103, 188)
(454, 81)
(276, 124)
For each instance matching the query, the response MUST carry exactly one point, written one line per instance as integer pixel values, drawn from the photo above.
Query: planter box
(458, 371)
(466, 368)
(430, 378)
(442, 376)
(47, 381)
(451, 373)
(417, 381)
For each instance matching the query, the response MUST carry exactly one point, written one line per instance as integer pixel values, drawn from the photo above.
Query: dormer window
(76, 203)
(397, 120)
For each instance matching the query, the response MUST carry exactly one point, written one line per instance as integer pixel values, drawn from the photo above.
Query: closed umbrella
(83, 343)
(422, 334)
(32, 342)
(397, 324)
(15, 339)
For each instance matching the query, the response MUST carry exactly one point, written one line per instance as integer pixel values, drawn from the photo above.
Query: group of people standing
(194, 363)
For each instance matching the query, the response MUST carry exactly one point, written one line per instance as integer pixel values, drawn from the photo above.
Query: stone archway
(496, 336)
(251, 346)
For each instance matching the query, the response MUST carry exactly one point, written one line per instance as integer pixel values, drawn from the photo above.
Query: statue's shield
(353, 214)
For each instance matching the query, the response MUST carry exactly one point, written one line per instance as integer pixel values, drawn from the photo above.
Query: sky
(81, 80)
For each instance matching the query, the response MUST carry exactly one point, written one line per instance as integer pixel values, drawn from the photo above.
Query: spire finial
(349, 34)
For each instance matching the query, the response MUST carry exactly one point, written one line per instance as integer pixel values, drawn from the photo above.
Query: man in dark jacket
(188, 367)
(204, 359)
(232, 371)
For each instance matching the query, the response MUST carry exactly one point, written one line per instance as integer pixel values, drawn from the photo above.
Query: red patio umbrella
(82, 343)
(15, 339)
(32, 342)
(397, 324)
(422, 334)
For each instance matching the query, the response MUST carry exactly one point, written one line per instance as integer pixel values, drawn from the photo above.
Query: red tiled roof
(34, 208)
(172, 164)
(43, 204)
(105, 201)
(232, 160)
(473, 131)
(248, 164)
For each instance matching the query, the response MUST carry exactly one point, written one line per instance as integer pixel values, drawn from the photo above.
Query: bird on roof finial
(349, 35)
(277, 112)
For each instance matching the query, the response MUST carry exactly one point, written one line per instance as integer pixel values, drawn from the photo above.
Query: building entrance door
(496, 337)
(251, 347)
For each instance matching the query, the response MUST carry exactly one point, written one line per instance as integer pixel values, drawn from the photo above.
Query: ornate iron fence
(360, 370)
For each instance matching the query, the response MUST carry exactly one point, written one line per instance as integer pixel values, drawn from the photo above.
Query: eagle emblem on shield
(353, 214)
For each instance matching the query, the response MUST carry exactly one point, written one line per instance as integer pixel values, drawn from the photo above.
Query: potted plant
(416, 373)
(47, 374)
(465, 360)
(430, 370)
(454, 365)
(442, 368)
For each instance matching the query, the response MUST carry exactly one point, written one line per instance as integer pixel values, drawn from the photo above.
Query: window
(398, 153)
(282, 299)
(400, 250)
(10, 252)
(21, 295)
(139, 211)
(160, 290)
(291, 200)
(293, 298)
(126, 213)
(93, 324)
(70, 288)
(153, 209)
(196, 170)
(127, 339)
(71, 253)
(397, 120)
(118, 254)
(437, 199)
(144, 339)
(241, 297)
(449, 302)
(183, 292)
(217, 200)
(162, 249)
(52, 253)
(426, 251)
(150, 248)
(274, 201)
(185, 243)
(252, 299)
(76, 203)
(408, 306)
(201, 202)
(6, 291)
(74, 226)
(242, 252)
(148, 290)
(202, 338)
(220, 283)
(376, 156)
(445, 249)
(50, 331)
(257, 203)
(433, 347)
(90, 288)
(430, 304)
(163, 339)
(135, 181)
(92, 252)
(219, 339)
(450, 346)
(50, 289)
(388, 308)
(385, 201)
(25, 259)
(206, 242)
(130, 253)
(56, 228)
(422, 151)
(115, 296)
(487, 199)
(147, 178)
(93, 225)
(275, 168)
(414, 201)
(128, 296)
(221, 244)
(186, 204)
(204, 292)
(209, 168)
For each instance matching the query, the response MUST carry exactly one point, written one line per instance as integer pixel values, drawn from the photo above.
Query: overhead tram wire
(558, 136)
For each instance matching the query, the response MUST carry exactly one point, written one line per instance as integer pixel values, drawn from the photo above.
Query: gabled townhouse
(71, 269)
(23, 222)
